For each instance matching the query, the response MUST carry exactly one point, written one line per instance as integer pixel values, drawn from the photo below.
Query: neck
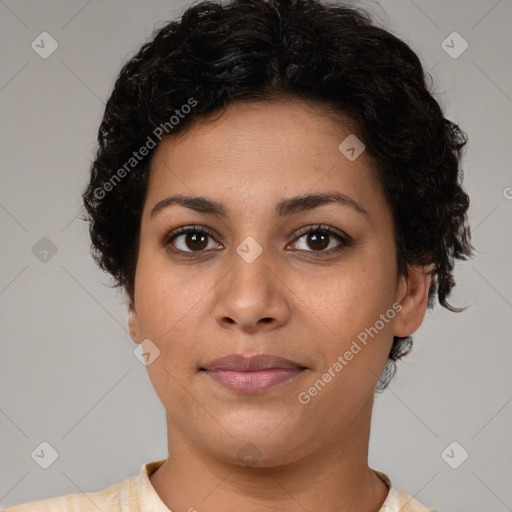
(333, 478)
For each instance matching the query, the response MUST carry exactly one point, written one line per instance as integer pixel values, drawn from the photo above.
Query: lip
(252, 374)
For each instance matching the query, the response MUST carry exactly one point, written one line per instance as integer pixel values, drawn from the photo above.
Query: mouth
(253, 374)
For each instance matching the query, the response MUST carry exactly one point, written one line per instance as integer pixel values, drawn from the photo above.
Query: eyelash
(345, 240)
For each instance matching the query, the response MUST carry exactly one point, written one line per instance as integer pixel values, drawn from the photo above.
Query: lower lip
(253, 381)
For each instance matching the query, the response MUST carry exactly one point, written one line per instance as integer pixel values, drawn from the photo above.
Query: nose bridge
(252, 292)
(251, 265)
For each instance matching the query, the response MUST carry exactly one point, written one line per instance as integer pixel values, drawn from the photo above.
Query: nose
(252, 297)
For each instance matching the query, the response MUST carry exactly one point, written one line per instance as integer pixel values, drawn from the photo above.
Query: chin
(258, 453)
(258, 446)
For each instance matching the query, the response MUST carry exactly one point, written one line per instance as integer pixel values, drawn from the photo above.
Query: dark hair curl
(257, 50)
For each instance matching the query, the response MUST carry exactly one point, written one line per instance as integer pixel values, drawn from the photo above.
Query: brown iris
(197, 241)
(320, 240)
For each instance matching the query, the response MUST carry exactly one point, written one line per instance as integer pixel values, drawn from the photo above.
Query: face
(261, 272)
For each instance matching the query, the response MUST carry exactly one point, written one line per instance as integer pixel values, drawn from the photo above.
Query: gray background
(68, 375)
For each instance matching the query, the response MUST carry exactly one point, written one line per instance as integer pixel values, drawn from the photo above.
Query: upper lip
(257, 362)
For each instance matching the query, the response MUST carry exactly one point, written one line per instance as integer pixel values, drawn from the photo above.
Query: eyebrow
(284, 208)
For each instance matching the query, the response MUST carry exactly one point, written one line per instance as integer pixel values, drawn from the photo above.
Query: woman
(280, 196)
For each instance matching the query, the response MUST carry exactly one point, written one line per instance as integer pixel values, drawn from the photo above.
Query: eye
(190, 239)
(319, 238)
(193, 240)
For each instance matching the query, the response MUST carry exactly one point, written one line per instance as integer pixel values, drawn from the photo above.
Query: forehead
(258, 152)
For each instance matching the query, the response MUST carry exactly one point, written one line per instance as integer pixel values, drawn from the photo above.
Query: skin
(287, 302)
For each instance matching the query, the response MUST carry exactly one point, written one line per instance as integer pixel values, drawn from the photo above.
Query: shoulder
(106, 500)
(398, 501)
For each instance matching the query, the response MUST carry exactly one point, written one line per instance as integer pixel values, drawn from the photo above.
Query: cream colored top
(136, 494)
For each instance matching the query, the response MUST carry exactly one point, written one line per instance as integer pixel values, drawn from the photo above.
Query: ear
(133, 323)
(412, 295)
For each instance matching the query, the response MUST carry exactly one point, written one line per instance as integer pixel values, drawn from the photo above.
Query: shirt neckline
(149, 499)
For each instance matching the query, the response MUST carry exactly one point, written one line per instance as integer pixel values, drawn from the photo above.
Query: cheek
(167, 294)
(175, 312)
(356, 305)
(168, 303)
(354, 298)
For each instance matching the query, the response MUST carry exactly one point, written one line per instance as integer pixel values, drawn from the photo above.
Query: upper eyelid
(321, 227)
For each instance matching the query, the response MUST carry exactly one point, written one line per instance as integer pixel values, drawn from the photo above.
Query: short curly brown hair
(259, 50)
